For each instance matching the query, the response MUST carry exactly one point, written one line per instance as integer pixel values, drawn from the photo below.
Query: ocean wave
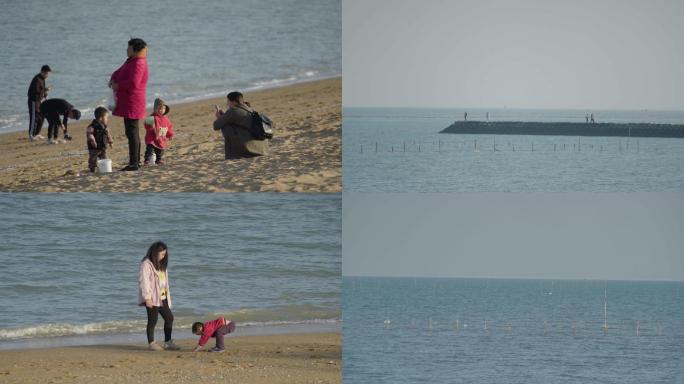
(279, 316)
(66, 329)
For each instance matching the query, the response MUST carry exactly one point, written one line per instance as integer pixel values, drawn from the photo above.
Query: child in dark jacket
(97, 137)
(158, 131)
(215, 328)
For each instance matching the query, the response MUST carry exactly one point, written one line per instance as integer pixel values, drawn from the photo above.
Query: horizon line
(515, 278)
(519, 108)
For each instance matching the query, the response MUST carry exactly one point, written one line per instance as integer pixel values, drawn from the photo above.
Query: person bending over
(215, 328)
(52, 109)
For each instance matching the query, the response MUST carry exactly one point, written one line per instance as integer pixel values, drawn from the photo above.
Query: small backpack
(261, 126)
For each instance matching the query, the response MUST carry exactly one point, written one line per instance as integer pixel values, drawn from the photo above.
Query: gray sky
(636, 236)
(578, 54)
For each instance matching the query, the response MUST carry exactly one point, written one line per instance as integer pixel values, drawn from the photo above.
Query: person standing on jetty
(465, 116)
(591, 119)
(37, 91)
(129, 84)
(155, 295)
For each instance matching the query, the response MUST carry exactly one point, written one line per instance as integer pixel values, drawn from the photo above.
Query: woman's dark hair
(137, 44)
(235, 96)
(152, 252)
(196, 327)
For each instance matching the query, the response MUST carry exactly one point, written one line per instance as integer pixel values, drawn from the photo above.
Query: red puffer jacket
(130, 96)
(158, 130)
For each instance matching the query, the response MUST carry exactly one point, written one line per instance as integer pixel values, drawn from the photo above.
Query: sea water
(70, 262)
(401, 150)
(422, 330)
(196, 49)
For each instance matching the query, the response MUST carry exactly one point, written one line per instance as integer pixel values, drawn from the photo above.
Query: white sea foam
(126, 326)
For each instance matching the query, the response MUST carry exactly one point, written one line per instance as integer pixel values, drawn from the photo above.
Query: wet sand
(305, 151)
(285, 358)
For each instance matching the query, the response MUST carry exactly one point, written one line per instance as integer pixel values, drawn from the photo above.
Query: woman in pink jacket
(155, 295)
(129, 84)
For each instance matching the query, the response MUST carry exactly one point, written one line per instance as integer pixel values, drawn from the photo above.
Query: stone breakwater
(566, 129)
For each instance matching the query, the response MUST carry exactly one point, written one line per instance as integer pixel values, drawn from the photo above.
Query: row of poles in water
(487, 327)
(494, 147)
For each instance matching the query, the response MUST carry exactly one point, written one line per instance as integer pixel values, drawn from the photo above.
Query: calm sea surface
(196, 49)
(70, 261)
(405, 330)
(400, 150)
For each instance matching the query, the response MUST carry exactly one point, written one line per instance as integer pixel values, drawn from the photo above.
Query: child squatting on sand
(215, 328)
(97, 137)
(158, 130)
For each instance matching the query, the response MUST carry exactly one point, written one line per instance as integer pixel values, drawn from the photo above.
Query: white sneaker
(50, 141)
(171, 346)
(153, 346)
(38, 137)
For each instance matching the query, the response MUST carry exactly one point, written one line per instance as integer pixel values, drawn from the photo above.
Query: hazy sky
(577, 54)
(636, 236)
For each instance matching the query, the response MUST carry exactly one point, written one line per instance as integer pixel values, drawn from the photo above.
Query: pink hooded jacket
(149, 285)
(132, 80)
(159, 132)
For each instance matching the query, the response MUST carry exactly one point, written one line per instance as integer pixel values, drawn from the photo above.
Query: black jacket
(53, 108)
(101, 135)
(36, 90)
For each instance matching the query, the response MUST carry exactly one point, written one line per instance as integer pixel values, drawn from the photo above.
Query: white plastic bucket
(104, 165)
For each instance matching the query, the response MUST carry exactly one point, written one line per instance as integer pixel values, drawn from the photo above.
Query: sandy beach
(305, 151)
(284, 358)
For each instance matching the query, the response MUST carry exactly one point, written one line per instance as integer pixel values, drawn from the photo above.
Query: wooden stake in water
(605, 311)
(637, 328)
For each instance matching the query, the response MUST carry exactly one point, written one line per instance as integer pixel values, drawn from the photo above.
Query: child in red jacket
(158, 131)
(215, 328)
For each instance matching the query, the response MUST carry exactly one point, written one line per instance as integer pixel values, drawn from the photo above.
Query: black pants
(157, 152)
(35, 119)
(53, 125)
(133, 134)
(152, 316)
